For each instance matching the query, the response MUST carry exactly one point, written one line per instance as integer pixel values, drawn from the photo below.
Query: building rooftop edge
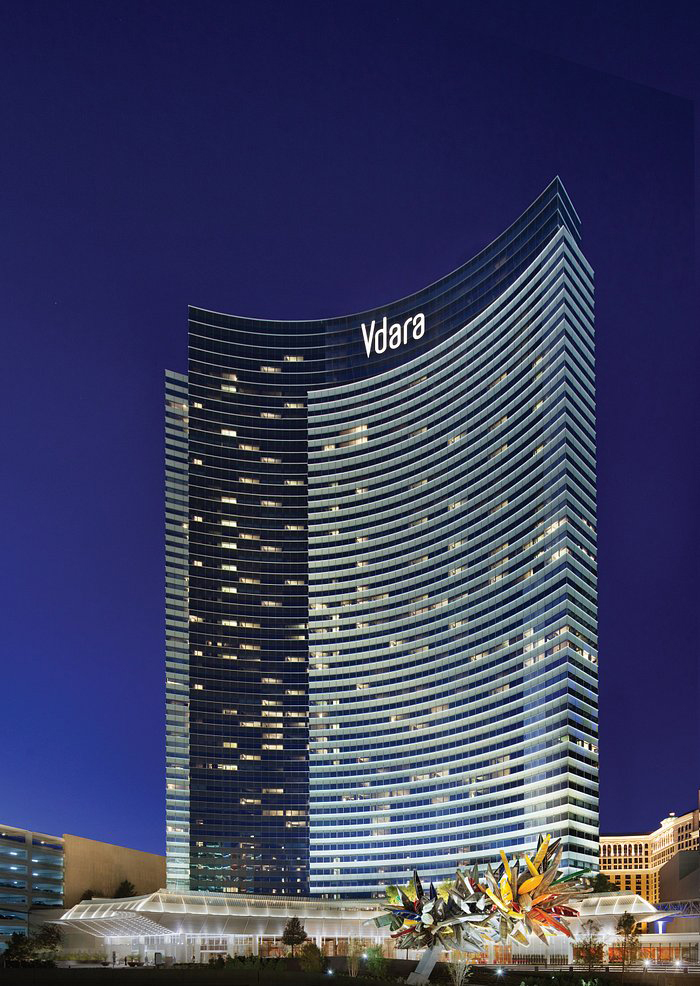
(555, 189)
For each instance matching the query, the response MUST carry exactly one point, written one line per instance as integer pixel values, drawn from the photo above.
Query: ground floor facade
(656, 952)
(169, 928)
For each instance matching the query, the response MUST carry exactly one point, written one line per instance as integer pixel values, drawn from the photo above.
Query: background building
(39, 872)
(31, 876)
(633, 862)
(381, 580)
(679, 890)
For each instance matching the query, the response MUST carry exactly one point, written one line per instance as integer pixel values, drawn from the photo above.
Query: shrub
(310, 957)
(376, 963)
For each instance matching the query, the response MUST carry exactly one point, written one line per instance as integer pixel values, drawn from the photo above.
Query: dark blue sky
(300, 160)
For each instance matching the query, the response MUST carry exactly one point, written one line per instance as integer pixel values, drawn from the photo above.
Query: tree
(376, 963)
(443, 889)
(355, 951)
(39, 946)
(589, 947)
(125, 889)
(629, 940)
(294, 934)
(47, 941)
(602, 884)
(310, 957)
(90, 893)
(18, 950)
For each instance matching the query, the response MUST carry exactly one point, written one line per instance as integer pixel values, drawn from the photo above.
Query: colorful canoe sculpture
(526, 895)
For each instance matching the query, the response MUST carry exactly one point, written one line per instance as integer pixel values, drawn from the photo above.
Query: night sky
(299, 160)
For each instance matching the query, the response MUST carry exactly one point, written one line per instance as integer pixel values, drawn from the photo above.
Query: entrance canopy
(164, 914)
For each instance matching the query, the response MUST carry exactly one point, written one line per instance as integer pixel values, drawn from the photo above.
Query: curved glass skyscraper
(382, 580)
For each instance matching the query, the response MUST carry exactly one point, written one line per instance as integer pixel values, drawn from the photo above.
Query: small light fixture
(499, 972)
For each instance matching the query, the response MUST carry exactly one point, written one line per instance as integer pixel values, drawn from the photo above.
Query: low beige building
(101, 867)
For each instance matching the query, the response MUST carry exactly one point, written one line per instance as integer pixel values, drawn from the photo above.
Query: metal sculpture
(525, 896)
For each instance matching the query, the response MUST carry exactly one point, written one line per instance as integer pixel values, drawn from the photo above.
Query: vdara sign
(379, 337)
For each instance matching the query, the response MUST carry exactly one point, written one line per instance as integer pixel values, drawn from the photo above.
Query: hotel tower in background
(381, 580)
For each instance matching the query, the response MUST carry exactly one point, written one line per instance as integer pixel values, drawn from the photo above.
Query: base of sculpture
(421, 974)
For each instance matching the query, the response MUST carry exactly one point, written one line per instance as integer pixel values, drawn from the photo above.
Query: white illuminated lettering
(368, 338)
(378, 337)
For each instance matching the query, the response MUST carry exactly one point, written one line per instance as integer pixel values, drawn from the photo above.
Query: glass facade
(389, 615)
